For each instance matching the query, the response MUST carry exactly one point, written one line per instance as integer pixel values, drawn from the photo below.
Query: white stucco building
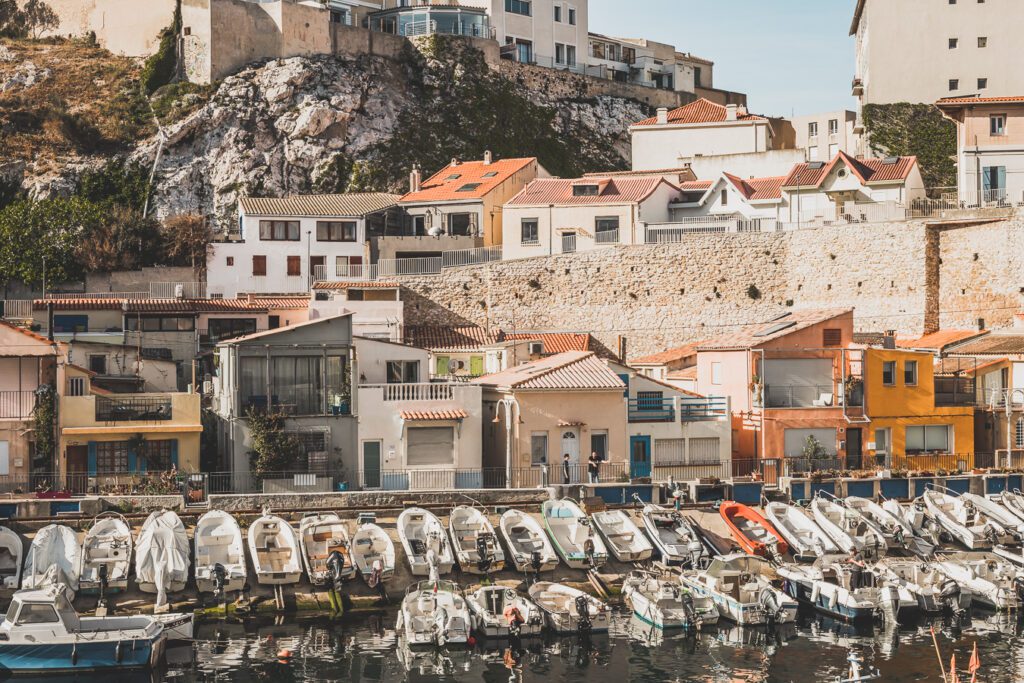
(822, 136)
(376, 306)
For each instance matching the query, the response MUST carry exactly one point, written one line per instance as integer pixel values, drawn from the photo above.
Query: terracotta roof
(994, 344)
(685, 373)
(668, 356)
(280, 302)
(440, 338)
(357, 284)
(353, 204)
(26, 332)
(610, 191)
(811, 174)
(257, 303)
(579, 370)
(696, 185)
(938, 341)
(757, 189)
(869, 338)
(444, 185)
(979, 100)
(456, 414)
(680, 172)
(699, 111)
(89, 304)
(87, 371)
(555, 342)
(754, 336)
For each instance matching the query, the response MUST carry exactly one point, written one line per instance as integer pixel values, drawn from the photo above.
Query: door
(854, 447)
(639, 456)
(371, 464)
(78, 468)
(571, 447)
(881, 446)
(317, 268)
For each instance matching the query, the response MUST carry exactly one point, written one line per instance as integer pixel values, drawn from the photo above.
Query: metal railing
(458, 28)
(802, 396)
(652, 410)
(17, 404)
(955, 391)
(688, 409)
(676, 231)
(607, 236)
(154, 481)
(207, 337)
(428, 265)
(710, 408)
(16, 309)
(177, 290)
(416, 392)
(133, 296)
(569, 243)
(138, 409)
(952, 202)
(450, 478)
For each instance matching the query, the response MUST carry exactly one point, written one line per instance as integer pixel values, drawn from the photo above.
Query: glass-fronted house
(429, 20)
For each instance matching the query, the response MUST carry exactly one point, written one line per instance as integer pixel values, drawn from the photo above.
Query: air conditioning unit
(536, 348)
(179, 291)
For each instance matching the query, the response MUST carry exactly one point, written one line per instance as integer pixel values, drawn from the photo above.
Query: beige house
(990, 148)
(376, 306)
(571, 404)
(824, 135)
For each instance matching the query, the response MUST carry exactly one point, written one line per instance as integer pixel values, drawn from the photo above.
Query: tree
(273, 449)
(187, 240)
(813, 450)
(49, 230)
(39, 18)
(12, 21)
(123, 240)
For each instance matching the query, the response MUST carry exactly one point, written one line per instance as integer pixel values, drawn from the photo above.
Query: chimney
(487, 158)
(741, 110)
(981, 324)
(889, 339)
(455, 162)
(730, 112)
(662, 116)
(415, 179)
(49, 320)
(622, 348)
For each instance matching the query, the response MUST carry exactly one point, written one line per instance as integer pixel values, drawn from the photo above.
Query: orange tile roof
(939, 340)
(357, 284)
(869, 171)
(668, 356)
(257, 303)
(28, 333)
(280, 302)
(572, 370)
(90, 304)
(754, 336)
(994, 344)
(457, 414)
(444, 186)
(699, 111)
(685, 373)
(555, 342)
(684, 173)
(439, 338)
(980, 100)
(544, 192)
(696, 185)
(757, 189)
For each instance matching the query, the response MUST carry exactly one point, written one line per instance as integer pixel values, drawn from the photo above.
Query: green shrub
(160, 68)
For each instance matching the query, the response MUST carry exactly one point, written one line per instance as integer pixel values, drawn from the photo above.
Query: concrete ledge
(373, 499)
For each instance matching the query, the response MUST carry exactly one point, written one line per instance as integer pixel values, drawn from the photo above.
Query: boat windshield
(12, 611)
(37, 613)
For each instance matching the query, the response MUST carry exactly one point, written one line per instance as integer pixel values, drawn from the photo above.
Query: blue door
(639, 456)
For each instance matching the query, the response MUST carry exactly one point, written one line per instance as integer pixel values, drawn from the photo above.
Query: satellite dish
(435, 231)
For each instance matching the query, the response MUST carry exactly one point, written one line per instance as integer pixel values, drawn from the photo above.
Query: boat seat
(218, 539)
(624, 535)
(323, 536)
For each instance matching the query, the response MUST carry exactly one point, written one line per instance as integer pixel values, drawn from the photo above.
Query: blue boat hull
(803, 593)
(81, 656)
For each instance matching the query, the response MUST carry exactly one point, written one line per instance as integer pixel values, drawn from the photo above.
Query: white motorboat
(991, 581)
(500, 612)
(897, 532)
(848, 529)
(476, 545)
(831, 586)
(622, 536)
(320, 536)
(665, 604)
(12, 551)
(161, 556)
(528, 545)
(178, 627)
(1013, 501)
(935, 592)
(42, 634)
(434, 613)
(55, 557)
(965, 522)
(805, 538)
(573, 535)
(425, 542)
(1004, 517)
(569, 610)
(373, 554)
(742, 587)
(106, 554)
(677, 541)
(916, 516)
(220, 554)
(274, 549)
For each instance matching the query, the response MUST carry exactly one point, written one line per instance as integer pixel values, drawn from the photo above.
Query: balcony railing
(208, 337)
(16, 309)
(676, 231)
(652, 410)
(569, 243)
(711, 408)
(952, 202)
(17, 405)
(802, 396)
(685, 409)
(607, 236)
(417, 392)
(140, 409)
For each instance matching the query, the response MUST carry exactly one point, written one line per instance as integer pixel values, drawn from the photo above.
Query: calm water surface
(813, 650)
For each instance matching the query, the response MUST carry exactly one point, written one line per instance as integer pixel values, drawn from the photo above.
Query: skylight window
(492, 174)
(584, 190)
(468, 187)
(454, 176)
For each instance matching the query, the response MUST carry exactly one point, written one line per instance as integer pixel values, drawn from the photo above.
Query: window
(928, 439)
(335, 231)
(338, 392)
(430, 446)
(70, 323)
(953, 42)
(813, 156)
(37, 614)
(559, 53)
(159, 454)
(461, 223)
(469, 187)
(997, 124)
(296, 386)
(76, 386)
(572, 16)
(910, 373)
(889, 373)
(704, 451)
(831, 336)
(669, 452)
(230, 260)
(697, 77)
(294, 265)
(1018, 435)
(812, 129)
(954, 84)
(649, 400)
(111, 457)
(558, 13)
(538, 448)
(160, 324)
(252, 382)
(259, 266)
(606, 224)
(529, 231)
(982, 83)
(599, 444)
(454, 176)
(833, 126)
(519, 7)
(982, 41)
(98, 363)
(403, 371)
(570, 55)
(716, 373)
(228, 328)
(724, 201)
(585, 190)
(490, 174)
(278, 231)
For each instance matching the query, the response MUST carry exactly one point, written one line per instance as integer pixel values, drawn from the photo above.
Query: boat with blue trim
(742, 589)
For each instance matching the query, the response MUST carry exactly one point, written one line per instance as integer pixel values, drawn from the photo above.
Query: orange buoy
(284, 654)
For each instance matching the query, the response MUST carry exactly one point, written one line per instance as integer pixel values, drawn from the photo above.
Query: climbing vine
(44, 416)
(273, 449)
(915, 129)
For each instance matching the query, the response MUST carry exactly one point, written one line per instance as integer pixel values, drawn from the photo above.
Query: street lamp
(1011, 395)
(512, 411)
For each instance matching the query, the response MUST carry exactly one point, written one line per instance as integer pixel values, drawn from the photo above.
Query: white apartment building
(283, 244)
(648, 63)
(822, 136)
(544, 32)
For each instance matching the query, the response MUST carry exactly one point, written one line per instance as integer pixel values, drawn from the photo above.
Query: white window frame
(1000, 130)
(716, 373)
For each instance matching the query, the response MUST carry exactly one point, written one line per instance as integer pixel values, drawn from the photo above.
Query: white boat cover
(161, 555)
(53, 558)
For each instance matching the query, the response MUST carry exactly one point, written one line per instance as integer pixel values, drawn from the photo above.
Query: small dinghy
(55, 557)
(1004, 517)
(916, 517)
(935, 592)
(833, 587)
(965, 522)
(806, 539)
(500, 612)
(665, 604)
(897, 532)
(847, 529)
(373, 554)
(528, 546)
(569, 610)
(622, 536)
(572, 534)
(1013, 501)
(161, 556)
(476, 545)
(106, 554)
(677, 541)
(434, 613)
(11, 555)
(425, 542)
(220, 554)
(320, 536)
(991, 581)
(754, 533)
(742, 588)
(274, 549)
(42, 634)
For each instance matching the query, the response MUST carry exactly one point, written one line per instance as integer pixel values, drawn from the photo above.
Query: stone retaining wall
(356, 500)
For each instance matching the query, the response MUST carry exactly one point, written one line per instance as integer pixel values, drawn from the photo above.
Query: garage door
(430, 445)
(796, 440)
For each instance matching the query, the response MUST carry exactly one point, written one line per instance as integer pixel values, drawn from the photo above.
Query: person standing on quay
(593, 465)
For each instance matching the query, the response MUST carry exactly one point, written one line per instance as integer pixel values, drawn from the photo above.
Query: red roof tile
(456, 414)
(439, 338)
(699, 111)
(810, 174)
(979, 100)
(90, 304)
(696, 185)
(685, 373)
(357, 284)
(444, 185)
(572, 370)
(257, 303)
(996, 343)
(757, 189)
(939, 340)
(555, 342)
(669, 356)
(556, 191)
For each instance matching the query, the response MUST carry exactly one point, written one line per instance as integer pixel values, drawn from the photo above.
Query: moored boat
(832, 586)
(373, 554)
(219, 554)
(500, 612)
(425, 542)
(569, 610)
(274, 549)
(106, 554)
(742, 588)
(963, 521)
(11, 552)
(53, 558)
(992, 581)
(848, 529)
(805, 538)
(320, 536)
(622, 536)
(664, 603)
(474, 541)
(935, 592)
(528, 546)
(677, 541)
(434, 613)
(754, 534)
(573, 535)
(162, 555)
(892, 525)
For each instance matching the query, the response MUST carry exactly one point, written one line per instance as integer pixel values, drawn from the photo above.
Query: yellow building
(917, 421)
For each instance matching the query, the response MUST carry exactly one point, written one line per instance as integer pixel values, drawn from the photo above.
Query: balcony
(802, 396)
(955, 391)
(607, 236)
(682, 409)
(17, 405)
(652, 410)
(133, 409)
(857, 87)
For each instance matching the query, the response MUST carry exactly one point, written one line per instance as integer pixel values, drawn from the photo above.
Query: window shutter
(442, 365)
(1001, 178)
(625, 379)
(132, 461)
(92, 459)
(174, 453)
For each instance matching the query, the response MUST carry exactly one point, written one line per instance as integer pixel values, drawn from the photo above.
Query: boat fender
(118, 654)
(815, 592)
(833, 599)
(74, 654)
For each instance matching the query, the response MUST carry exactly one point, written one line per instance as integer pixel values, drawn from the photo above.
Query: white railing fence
(418, 392)
(177, 290)
(667, 233)
(607, 236)
(15, 309)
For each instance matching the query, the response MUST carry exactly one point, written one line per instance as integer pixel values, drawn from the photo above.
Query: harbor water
(367, 649)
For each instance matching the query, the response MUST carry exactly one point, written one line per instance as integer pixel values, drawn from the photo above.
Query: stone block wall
(563, 85)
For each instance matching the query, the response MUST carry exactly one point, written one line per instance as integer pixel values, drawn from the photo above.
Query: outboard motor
(588, 549)
(773, 550)
(1018, 588)
(899, 536)
(376, 579)
(485, 554)
(696, 551)
(686, 600)
(772, 609)
(583, 610)
(103, 570)
(220, 577)
(335, 565)
(949, 594)
(536, 561)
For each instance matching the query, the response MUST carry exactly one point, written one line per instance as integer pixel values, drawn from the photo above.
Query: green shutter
(442, 365)
(476, 365)
(132, 461)
(174, 453)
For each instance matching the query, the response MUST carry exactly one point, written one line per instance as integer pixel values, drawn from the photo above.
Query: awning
(571, 423)
(425, 415)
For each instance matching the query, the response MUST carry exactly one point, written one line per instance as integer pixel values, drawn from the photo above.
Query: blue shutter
(174, 453)
(141, 464)
(92, 458)
(986, 178)
(625, 379)
(131, 460)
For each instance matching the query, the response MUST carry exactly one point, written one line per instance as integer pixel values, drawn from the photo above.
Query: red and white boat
(752, 531)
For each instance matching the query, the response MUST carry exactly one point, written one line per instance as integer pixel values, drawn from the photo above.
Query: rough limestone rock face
(25, 76)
